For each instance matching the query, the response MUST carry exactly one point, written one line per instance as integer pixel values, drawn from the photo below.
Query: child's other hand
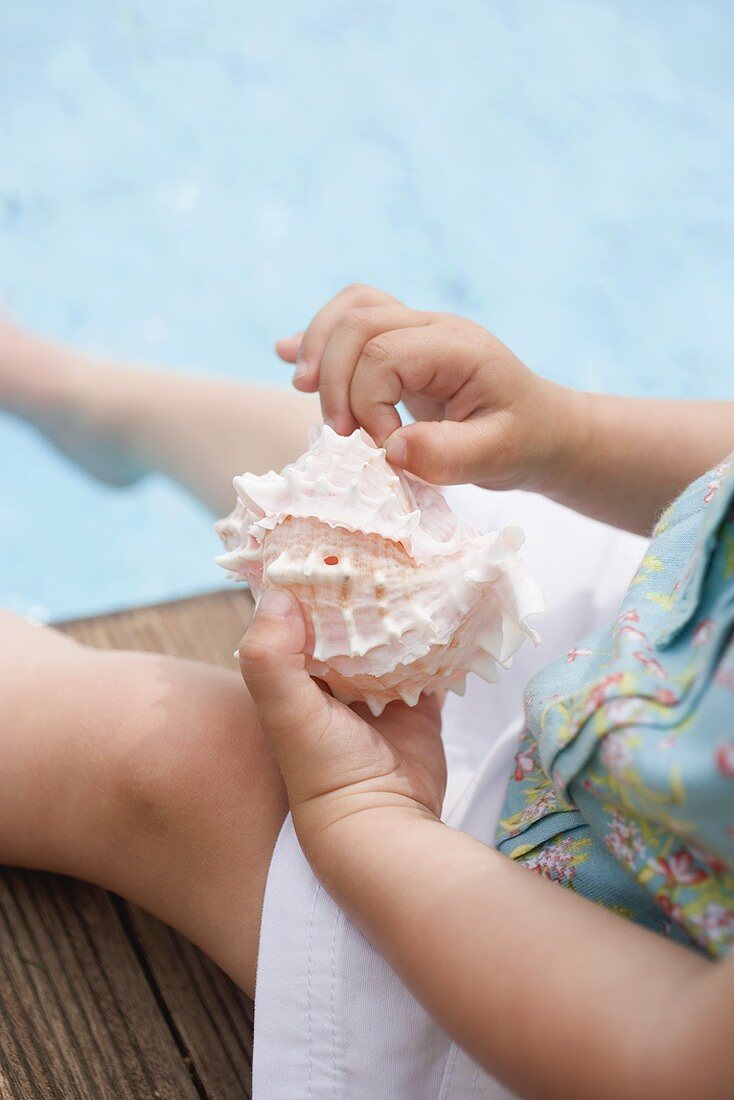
(336, 760)
(482, 415)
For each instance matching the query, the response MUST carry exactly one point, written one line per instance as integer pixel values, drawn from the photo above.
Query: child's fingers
(287, 348)
(343, 350)
(308, 363)
(446, 452)
(425, 361)
(424, 408)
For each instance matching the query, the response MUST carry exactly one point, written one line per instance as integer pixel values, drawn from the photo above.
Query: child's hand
(336, 760)
(494, 422)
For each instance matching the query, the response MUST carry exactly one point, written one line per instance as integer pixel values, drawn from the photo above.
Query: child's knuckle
(355, 319)
(376, 351)
(355, 290)
(255, 654)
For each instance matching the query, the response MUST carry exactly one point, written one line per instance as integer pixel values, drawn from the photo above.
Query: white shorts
(332, 1020)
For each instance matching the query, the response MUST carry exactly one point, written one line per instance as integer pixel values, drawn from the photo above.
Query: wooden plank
(210, 1017)
(204, 628)
(79, 1020)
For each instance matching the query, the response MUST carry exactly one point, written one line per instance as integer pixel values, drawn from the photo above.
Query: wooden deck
(98, 1000)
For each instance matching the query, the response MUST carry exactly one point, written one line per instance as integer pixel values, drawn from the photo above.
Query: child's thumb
(274, 669)
(445, 452)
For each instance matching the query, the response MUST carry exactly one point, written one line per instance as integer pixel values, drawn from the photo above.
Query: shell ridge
(400, 595)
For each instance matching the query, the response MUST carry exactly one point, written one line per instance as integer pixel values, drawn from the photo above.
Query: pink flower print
(716, 865)
(624, 840)
(716, 922)
(555, 862)
(670, 909)
(724, 757)
(624, 711)
(665, 697)
(679, 869)
(524, 762)
(601, 690)
(725, 678)
(702, 633)
(616, 754)
(577, 651)
(634, 632)
(628, 617)
(542, 806)
(651, 664)
(715, 484)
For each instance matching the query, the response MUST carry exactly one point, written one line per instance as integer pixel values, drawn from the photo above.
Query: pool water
(181, 183)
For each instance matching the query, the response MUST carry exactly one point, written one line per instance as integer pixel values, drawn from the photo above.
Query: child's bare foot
(120, 422)
(57, 391)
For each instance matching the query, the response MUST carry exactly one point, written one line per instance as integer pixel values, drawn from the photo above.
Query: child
(621, 790)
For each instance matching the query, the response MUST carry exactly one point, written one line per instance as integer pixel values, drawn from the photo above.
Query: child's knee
(190, 763)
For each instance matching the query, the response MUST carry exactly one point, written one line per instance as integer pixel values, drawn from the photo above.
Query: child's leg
(119, 421)
(145, 774)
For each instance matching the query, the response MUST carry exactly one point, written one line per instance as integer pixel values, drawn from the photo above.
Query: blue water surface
(182, 182)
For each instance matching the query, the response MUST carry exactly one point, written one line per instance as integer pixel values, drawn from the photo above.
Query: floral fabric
(623, 787)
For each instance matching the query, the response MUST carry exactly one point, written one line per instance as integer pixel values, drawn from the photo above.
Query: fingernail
(301, 370)
(396, 450)
(275, 602)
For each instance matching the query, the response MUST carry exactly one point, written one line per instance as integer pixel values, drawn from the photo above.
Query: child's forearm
(622, 460)
(519, 970)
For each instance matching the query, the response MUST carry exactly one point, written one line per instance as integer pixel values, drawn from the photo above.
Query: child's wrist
(343, 854)
(564, 430)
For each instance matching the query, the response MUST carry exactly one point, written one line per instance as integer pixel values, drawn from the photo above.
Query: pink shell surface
(399, 595)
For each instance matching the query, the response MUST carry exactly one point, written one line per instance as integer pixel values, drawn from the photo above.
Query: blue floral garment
(624, 780)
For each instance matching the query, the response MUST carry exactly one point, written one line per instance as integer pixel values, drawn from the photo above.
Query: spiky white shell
(400, 596)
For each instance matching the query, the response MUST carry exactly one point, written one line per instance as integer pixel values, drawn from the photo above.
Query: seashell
(399, 595)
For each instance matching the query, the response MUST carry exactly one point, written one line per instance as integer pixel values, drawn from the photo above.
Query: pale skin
(145, 774)
(365, 795)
